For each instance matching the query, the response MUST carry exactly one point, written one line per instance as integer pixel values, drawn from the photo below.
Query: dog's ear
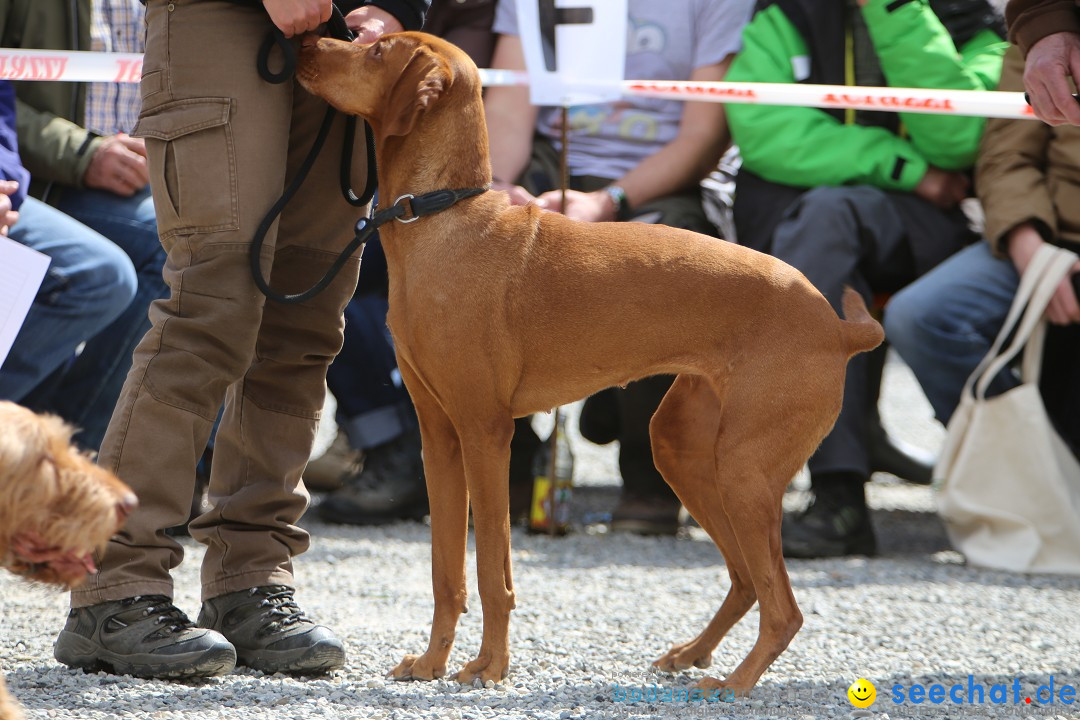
(423, 80)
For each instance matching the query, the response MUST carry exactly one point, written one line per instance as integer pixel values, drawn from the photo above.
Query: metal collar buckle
(408, 209)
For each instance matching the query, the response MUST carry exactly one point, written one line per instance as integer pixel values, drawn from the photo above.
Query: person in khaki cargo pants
(221, 144)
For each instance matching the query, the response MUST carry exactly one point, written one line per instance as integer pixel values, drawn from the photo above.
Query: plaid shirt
(115, 26)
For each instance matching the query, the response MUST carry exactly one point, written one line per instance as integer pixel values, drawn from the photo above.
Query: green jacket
(49, 115)
(809, 147)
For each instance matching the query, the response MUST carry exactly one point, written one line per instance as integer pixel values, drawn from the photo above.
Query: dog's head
(390, 82)
(56, 506)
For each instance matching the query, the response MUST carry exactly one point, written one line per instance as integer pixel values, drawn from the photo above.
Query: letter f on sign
(550, 17)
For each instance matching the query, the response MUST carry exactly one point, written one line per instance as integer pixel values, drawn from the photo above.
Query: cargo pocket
(190, 149)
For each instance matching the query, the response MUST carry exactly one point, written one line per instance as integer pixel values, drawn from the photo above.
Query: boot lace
(171, 618)
(284, 612)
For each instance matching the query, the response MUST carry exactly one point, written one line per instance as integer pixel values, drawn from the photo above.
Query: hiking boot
(829, 529)
(271, 633)
(389, 487)
(146, 636)
(646, 514)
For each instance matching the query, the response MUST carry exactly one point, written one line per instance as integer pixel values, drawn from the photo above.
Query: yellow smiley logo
(862, 693)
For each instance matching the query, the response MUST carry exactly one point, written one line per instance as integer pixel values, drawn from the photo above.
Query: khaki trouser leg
(272, 413)
(218, 140)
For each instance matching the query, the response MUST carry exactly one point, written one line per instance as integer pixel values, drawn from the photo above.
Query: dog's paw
(724, 687)
(683, 657)
(418, 667)
(486, 672)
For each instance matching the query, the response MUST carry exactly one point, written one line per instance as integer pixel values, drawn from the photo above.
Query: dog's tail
(860, 330)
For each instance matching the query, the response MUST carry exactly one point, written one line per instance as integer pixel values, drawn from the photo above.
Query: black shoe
(271, 633)
(145, 636)
(829, 529)
(389, 487)
(646, 514)
(896, 457)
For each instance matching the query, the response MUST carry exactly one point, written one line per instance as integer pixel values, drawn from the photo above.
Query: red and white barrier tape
(75, 66)
(980, 103)
(69, 66)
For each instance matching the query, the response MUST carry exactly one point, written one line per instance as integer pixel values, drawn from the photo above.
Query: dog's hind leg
(448, 498)
(486, 455)
(756, 458)
(684, 431)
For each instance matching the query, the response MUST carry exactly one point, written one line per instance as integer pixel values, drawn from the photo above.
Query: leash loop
(288, 50)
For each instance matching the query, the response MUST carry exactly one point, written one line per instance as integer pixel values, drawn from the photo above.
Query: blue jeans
(89, 283)
(944, 323)
(87, 393)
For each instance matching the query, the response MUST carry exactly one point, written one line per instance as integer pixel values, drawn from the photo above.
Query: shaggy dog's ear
(421, 83)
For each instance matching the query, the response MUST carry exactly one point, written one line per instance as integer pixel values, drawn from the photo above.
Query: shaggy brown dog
(501, 311)
(56, 506)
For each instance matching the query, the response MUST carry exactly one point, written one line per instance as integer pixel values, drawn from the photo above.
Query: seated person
(944, 323)
(865, 199)
(74, 142)
(634, 160)
(89, 282)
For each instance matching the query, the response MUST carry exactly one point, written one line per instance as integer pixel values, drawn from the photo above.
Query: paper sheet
(575, 50)
(21, 273)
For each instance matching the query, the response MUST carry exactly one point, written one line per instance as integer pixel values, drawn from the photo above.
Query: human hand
(8, 217)
(1050, 62)
(369, 23)
(588, 207)
(1064, 307)
(1023, 242)
(119, 166)
(295, 17)
(943, 188)
(518, 195)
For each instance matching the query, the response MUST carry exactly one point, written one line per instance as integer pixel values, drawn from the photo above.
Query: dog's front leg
(486, 454)
(448, 498)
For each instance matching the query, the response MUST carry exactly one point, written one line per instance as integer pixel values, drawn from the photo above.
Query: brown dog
(56, 506)
(501, 311)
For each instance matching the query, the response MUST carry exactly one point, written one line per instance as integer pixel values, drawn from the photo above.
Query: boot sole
(79, 652)
(319, 659)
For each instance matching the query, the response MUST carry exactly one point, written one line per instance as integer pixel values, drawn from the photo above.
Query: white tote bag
(1010, 487)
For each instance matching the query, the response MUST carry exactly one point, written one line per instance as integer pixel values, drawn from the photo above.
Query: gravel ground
(596, 609)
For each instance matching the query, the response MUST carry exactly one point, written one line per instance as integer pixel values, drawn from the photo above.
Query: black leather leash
(275, 38)
(406, 209)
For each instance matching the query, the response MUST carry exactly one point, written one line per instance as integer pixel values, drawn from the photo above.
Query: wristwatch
(618, 198)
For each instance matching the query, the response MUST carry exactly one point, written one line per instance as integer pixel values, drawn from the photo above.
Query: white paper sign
(21, 273)
(575, 50)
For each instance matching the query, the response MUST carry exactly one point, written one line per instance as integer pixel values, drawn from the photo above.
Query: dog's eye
(376, 50)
